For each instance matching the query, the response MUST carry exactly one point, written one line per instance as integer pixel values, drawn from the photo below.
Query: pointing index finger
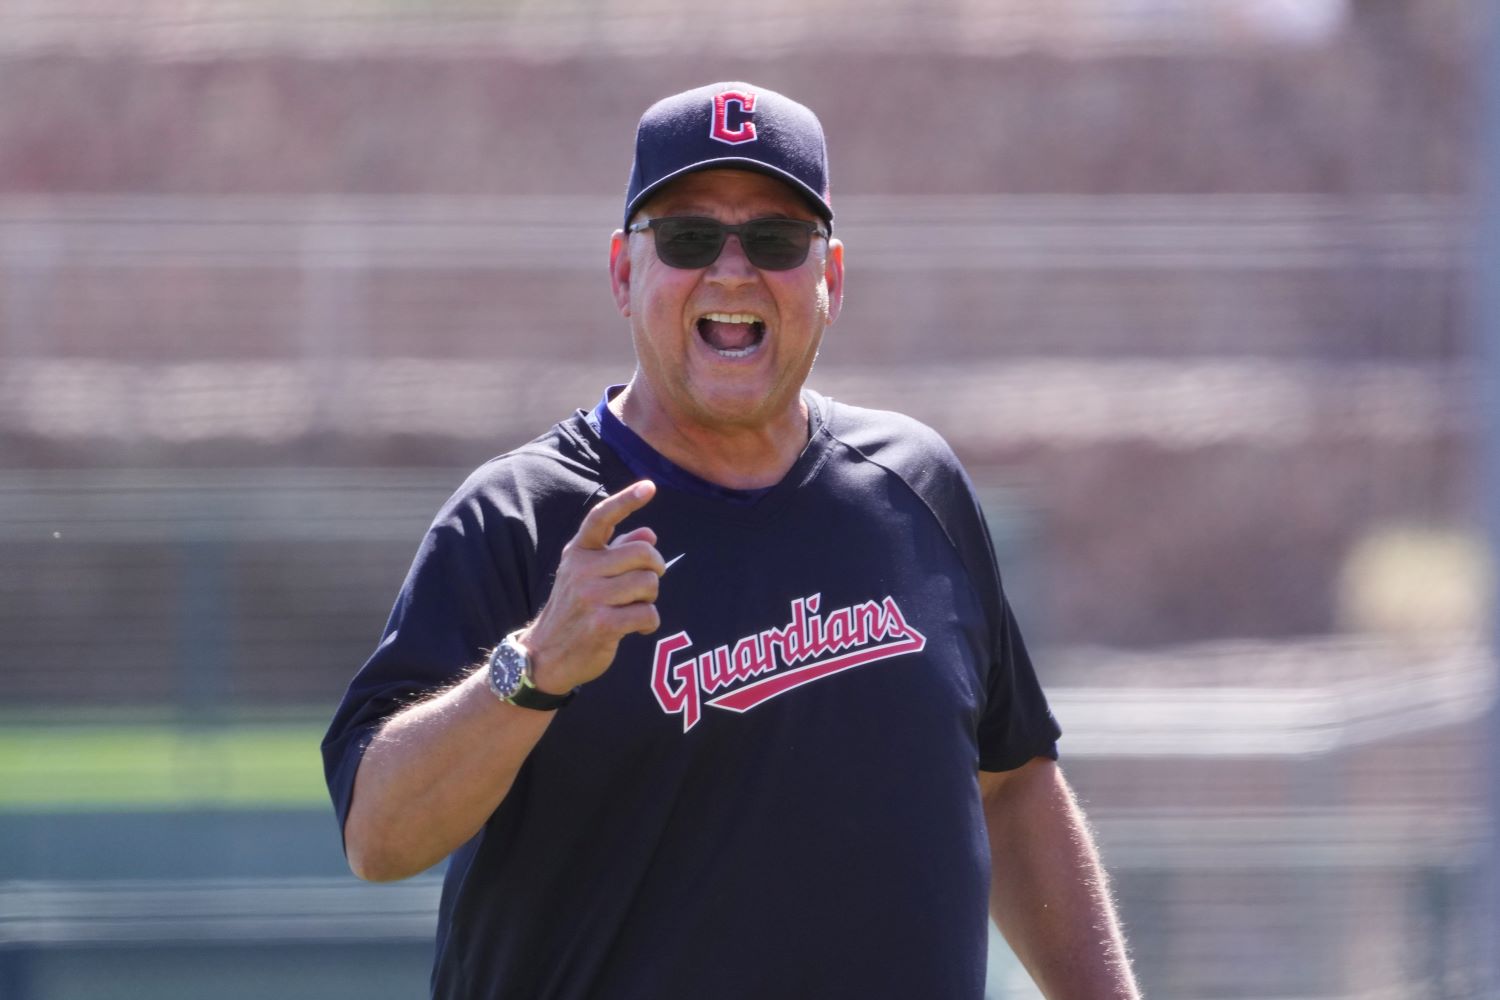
(599, 524)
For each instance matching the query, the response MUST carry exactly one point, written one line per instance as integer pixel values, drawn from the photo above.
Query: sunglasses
(689, 242)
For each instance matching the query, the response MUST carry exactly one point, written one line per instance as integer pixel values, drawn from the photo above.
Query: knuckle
(646, 554)
(599, 623)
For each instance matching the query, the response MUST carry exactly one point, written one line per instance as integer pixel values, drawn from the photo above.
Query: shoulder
(921, 459)
(551, 477)
(901, 444)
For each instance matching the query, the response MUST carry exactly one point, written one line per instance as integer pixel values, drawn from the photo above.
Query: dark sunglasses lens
(775, 244)
(688, 242)
(770, 244)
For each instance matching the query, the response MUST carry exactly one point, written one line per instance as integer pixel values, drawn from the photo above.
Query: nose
(732, 266)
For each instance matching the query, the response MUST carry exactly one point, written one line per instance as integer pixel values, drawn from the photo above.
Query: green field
(57, 764)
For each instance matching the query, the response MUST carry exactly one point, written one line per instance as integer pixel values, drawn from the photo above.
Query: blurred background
(1189, 285)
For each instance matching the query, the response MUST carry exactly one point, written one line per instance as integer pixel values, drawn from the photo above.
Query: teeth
(733, 318)
(743, 352)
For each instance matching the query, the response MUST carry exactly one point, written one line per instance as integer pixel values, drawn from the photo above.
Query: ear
(619, 270)
(833, 277)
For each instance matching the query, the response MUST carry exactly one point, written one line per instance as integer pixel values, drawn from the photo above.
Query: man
(712, 692)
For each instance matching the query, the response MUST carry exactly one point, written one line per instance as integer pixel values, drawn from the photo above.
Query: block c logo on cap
(719, 127)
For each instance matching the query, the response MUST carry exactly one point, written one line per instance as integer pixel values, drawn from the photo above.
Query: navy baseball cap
(734, 126)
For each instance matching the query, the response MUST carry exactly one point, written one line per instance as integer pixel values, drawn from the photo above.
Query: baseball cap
(735, 126)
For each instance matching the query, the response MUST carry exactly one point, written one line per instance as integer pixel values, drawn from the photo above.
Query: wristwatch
(510, 678)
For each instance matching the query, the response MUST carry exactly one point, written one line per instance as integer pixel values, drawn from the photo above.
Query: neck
(741, 457)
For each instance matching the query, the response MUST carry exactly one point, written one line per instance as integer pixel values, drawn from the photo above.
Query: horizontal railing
(628, 27)
(563, 232)
(980, 406)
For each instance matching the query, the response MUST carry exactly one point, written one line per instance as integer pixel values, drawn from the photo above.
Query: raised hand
(605, 589)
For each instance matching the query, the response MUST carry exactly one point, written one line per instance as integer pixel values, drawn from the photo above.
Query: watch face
(509, 668)
(506, 668)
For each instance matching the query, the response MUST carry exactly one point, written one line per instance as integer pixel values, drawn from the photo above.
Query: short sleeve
(1015, 723)
(472, 581)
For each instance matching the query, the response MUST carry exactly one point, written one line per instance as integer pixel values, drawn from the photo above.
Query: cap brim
(813, 198)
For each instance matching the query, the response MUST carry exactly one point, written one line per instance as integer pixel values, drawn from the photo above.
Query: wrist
(541, 672)
(511, 678)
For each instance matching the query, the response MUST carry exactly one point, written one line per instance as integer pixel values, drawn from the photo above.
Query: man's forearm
(432, 777)
(1049, 894)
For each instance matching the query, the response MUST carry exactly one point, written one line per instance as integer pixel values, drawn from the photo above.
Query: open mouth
(732, 335)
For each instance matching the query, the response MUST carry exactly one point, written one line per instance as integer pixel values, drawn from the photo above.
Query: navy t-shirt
(774, 795)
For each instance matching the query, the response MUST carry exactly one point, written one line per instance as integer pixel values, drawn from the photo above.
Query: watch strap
(528, 695)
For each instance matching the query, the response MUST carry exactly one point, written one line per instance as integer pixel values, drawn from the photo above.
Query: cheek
(808, 305)
(661, 291)
(656, 319)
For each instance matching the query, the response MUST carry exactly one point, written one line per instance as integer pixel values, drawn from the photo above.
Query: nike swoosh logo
(674, 559)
